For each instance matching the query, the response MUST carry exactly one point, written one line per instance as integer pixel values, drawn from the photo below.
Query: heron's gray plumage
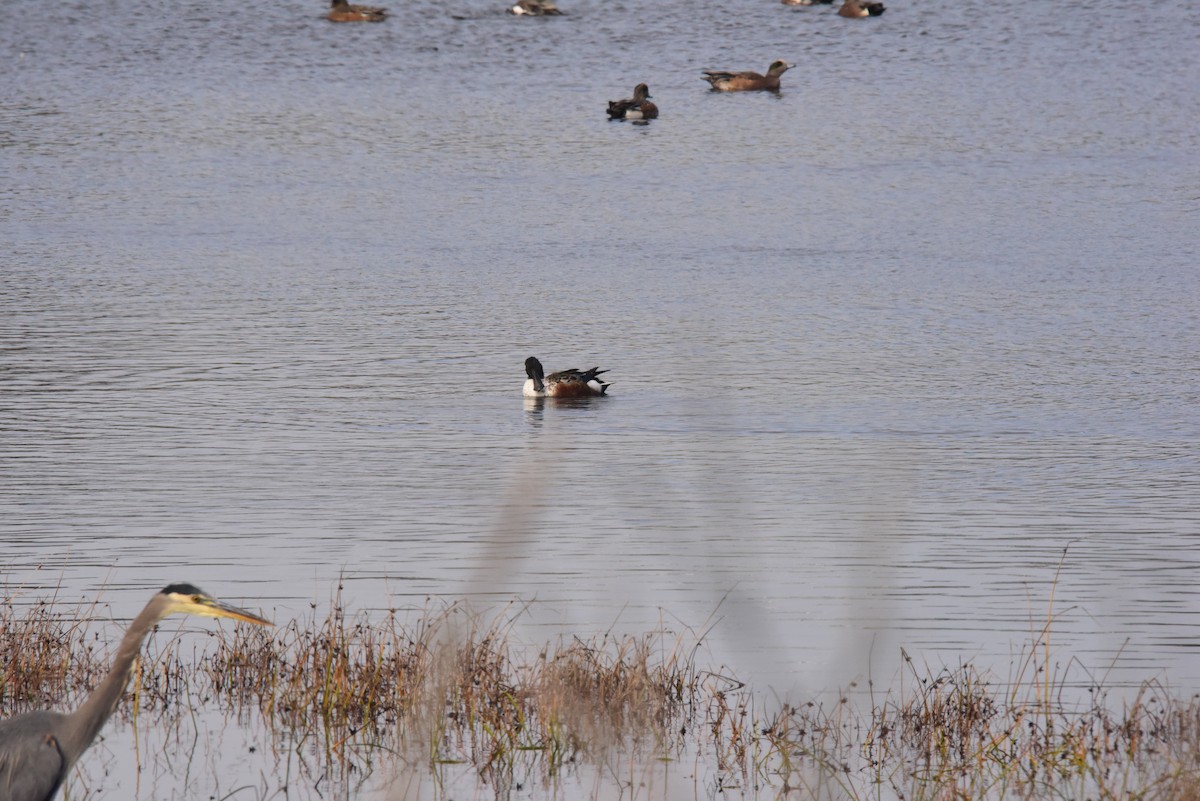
(32, 766)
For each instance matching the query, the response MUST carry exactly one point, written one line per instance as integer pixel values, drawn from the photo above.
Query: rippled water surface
(885, 345)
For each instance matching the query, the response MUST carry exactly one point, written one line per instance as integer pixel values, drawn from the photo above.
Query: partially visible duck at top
(564, 384)
(806, 2)
(860, 8)
(637, 107)
(535, 8)
(747, 81)
(342, 11)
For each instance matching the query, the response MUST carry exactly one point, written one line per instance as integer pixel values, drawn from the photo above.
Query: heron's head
(188, 599)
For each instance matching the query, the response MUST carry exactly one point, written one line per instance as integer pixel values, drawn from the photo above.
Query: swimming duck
(638, 107)
(565, 384)
(748, 81)
(342, 11)
(860, 8)
(535, 8)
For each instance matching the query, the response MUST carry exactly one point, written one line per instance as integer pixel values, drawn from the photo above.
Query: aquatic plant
(458, 691)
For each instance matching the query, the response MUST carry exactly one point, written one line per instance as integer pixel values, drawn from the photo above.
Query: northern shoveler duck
(565, 384)
(747, 81)
(860, 8)
(342, 11)
(638, 107)
(535, 8)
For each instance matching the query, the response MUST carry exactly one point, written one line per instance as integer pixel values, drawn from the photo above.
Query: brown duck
(860, 8)
(535, 8)
(342, 11)
(747, 81)
(638, 107)
(563, 384)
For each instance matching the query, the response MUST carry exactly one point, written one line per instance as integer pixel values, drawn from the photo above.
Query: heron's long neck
(90, 717)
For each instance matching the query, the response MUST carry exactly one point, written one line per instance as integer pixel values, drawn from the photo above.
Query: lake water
(884, 346)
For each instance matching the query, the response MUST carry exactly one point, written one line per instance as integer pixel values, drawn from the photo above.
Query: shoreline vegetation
(455, 691)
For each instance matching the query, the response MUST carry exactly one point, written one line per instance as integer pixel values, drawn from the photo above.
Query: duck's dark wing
(582, 376)
(590, 375)
(616, 111)
(729, 76)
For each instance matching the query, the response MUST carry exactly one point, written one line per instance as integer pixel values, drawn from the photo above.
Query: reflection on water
(885, 346)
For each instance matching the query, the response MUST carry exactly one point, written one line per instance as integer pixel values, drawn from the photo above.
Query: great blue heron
(37, 749)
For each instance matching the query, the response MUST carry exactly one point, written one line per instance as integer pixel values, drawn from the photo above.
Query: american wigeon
(638, 107)
(342, 11)
(747, 81)
(860, 8)
(535, 8)
(564, 384)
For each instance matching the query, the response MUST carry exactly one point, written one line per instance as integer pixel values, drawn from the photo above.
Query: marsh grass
(457, 688)
(47, 655)
(456, 691)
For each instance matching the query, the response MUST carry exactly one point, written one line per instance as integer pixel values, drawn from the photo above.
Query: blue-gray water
(883, 345)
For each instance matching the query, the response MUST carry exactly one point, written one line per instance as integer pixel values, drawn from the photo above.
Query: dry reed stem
(46, 655)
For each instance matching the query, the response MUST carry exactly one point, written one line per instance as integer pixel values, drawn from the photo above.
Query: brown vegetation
(456, 690)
